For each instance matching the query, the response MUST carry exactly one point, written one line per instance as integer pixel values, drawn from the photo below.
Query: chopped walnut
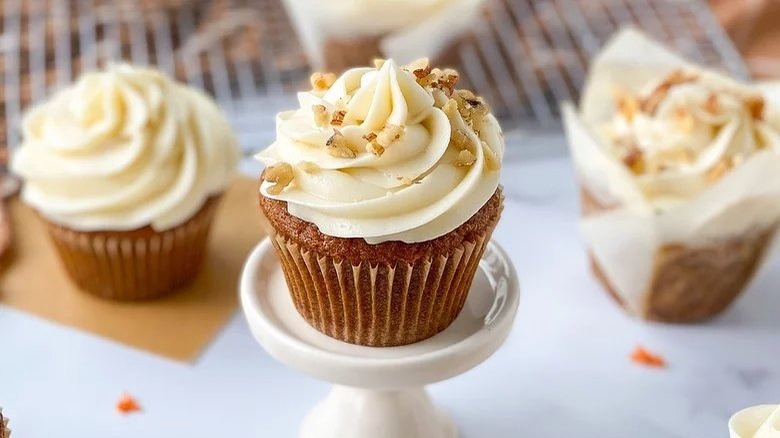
(470, 106)
(627, 104)
(755, 106)
(446, 79)
(338, 117)
(375, 148)
(338, 147)
(281, 174)
(460, 139)
(465, 158)
(420, 69)
(322, 81)
(712, 104)
(634, 159)
(407, 181)
(388, 135)
(676, 77)
(321, 116)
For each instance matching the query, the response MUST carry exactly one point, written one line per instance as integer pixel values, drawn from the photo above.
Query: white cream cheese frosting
(683, 132)
(123, 149)
(756, 422)
(436, 165)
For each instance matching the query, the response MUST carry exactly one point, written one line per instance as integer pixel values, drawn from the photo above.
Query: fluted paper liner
(691, 261)
(135, 265)
(380, 305)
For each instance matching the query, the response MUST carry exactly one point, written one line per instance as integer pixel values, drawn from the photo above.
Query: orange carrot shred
(643, 357)
(127, 404)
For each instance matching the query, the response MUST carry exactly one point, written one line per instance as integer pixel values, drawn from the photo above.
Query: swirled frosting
(437, 161)
(682, 133)
(123, 149)
(756, 422)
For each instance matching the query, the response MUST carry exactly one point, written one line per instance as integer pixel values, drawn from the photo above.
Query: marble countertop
(564, 371)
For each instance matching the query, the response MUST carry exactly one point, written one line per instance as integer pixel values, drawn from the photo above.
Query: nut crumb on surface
(321, 116)
(465, 158)
(338, 117)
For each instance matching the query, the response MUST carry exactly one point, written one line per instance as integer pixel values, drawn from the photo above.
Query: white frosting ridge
(123, 149)
(415, 191)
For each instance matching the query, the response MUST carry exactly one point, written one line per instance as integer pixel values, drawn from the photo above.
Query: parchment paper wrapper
(382, 305)
(135, 265)
(336, 41)
(688, 262)
(747, 422)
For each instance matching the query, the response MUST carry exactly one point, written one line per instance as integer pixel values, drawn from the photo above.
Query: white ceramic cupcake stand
(379, 392)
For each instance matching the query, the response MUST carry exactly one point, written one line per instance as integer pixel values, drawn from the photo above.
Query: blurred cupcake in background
(340, 34)
(680, 179)
(382, 194)
(127, 168)
(756, 422)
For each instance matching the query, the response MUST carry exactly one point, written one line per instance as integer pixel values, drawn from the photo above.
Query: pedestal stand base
(358, 413)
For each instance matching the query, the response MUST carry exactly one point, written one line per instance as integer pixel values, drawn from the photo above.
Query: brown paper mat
(178, 326)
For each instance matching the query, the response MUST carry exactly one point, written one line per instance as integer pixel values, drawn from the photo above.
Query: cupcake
(382, 192)
(756, 422)
(126, 167)
(680, 176)
(340, 34)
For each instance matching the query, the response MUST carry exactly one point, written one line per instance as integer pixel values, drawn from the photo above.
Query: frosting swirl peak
(386, 153)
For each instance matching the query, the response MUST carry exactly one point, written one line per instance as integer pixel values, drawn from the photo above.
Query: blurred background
(248, 54)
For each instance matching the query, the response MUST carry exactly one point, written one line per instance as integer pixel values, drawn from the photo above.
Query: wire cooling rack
(525, 56)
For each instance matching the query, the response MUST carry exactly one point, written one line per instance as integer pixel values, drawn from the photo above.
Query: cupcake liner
(138, 264)
(690, 282)
(383, 304)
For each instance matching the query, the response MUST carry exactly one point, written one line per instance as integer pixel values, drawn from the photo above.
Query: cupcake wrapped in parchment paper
(680, 180)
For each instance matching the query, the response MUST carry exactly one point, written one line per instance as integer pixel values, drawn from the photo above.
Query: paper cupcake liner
(135, 265)
(690, 283)
(384, 304)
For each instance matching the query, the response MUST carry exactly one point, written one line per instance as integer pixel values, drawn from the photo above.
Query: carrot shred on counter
(127, 404)
(643, 357)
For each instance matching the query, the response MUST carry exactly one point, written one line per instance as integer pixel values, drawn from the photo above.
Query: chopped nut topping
(460, 139)
(755, 106)
(281, 174)
(446, 79)
(634, 159)
(465, 158)
(375, 148)
(322, 81)
(338, 147)
(388, 135)
(470, 105)
(406, 181)
(627, 104)
(718, 170)
(321, 116)
(338, 118)
(676, 77)
(378, 63)
(712, 105)
(371, 136)
(420, 69)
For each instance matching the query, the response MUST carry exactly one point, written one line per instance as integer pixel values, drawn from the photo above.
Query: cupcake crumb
(127, 404)
(642, 356)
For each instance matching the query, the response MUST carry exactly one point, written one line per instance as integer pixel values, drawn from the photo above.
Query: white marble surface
(563, 372)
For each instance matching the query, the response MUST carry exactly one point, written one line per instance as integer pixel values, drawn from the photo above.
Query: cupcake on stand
(382, 193)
